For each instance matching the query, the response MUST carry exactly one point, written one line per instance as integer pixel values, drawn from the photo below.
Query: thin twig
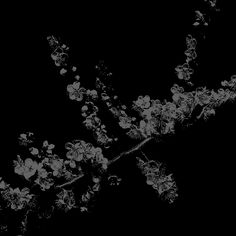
(70, 182)
(147, 159)
(137, 147)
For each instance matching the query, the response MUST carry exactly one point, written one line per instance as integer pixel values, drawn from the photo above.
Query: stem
(70, 182)
(202, 112)
(137, 147)
(147, 159)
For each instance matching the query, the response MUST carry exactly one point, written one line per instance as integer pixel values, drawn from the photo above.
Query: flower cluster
(26, 139)
(94, 123)
(60, 52)
(160, 117)
(80, 151)
(156, 177)
(88, 197)
(66, 200)
(26, 168)
(184, 71)
(16, 199)
(89, 110)
(42, 167)
(118, 110)
(157, 117)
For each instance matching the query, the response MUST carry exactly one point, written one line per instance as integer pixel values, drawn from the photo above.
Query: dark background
(141, 44)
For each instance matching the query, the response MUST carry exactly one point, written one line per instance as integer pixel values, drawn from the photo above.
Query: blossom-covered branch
(45, 171)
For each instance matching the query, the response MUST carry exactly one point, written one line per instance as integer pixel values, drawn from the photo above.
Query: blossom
(125, 122)
(169, 111)
(77, 77)
(176, 89)
(92, 121)
(48, 147)
(84, 108)
(63, 71)
(72, 164)
(75, 91)
(25, 139)
(142, 102)
(203, 96)
(56, 165)
(42, 173)
(59, 57)
(93, 94)
(96, 179)
(59, 54)
(199, 19)
(191, 55)
(26, 168)
(44, 183)
(156, 177)
(79, 150)
(184, 71)
(34, 151)
(102, 138)
(66, 200)
(190, 41)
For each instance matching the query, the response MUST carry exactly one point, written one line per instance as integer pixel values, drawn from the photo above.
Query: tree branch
(125, 153)
(137, 147)
(70, 182)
